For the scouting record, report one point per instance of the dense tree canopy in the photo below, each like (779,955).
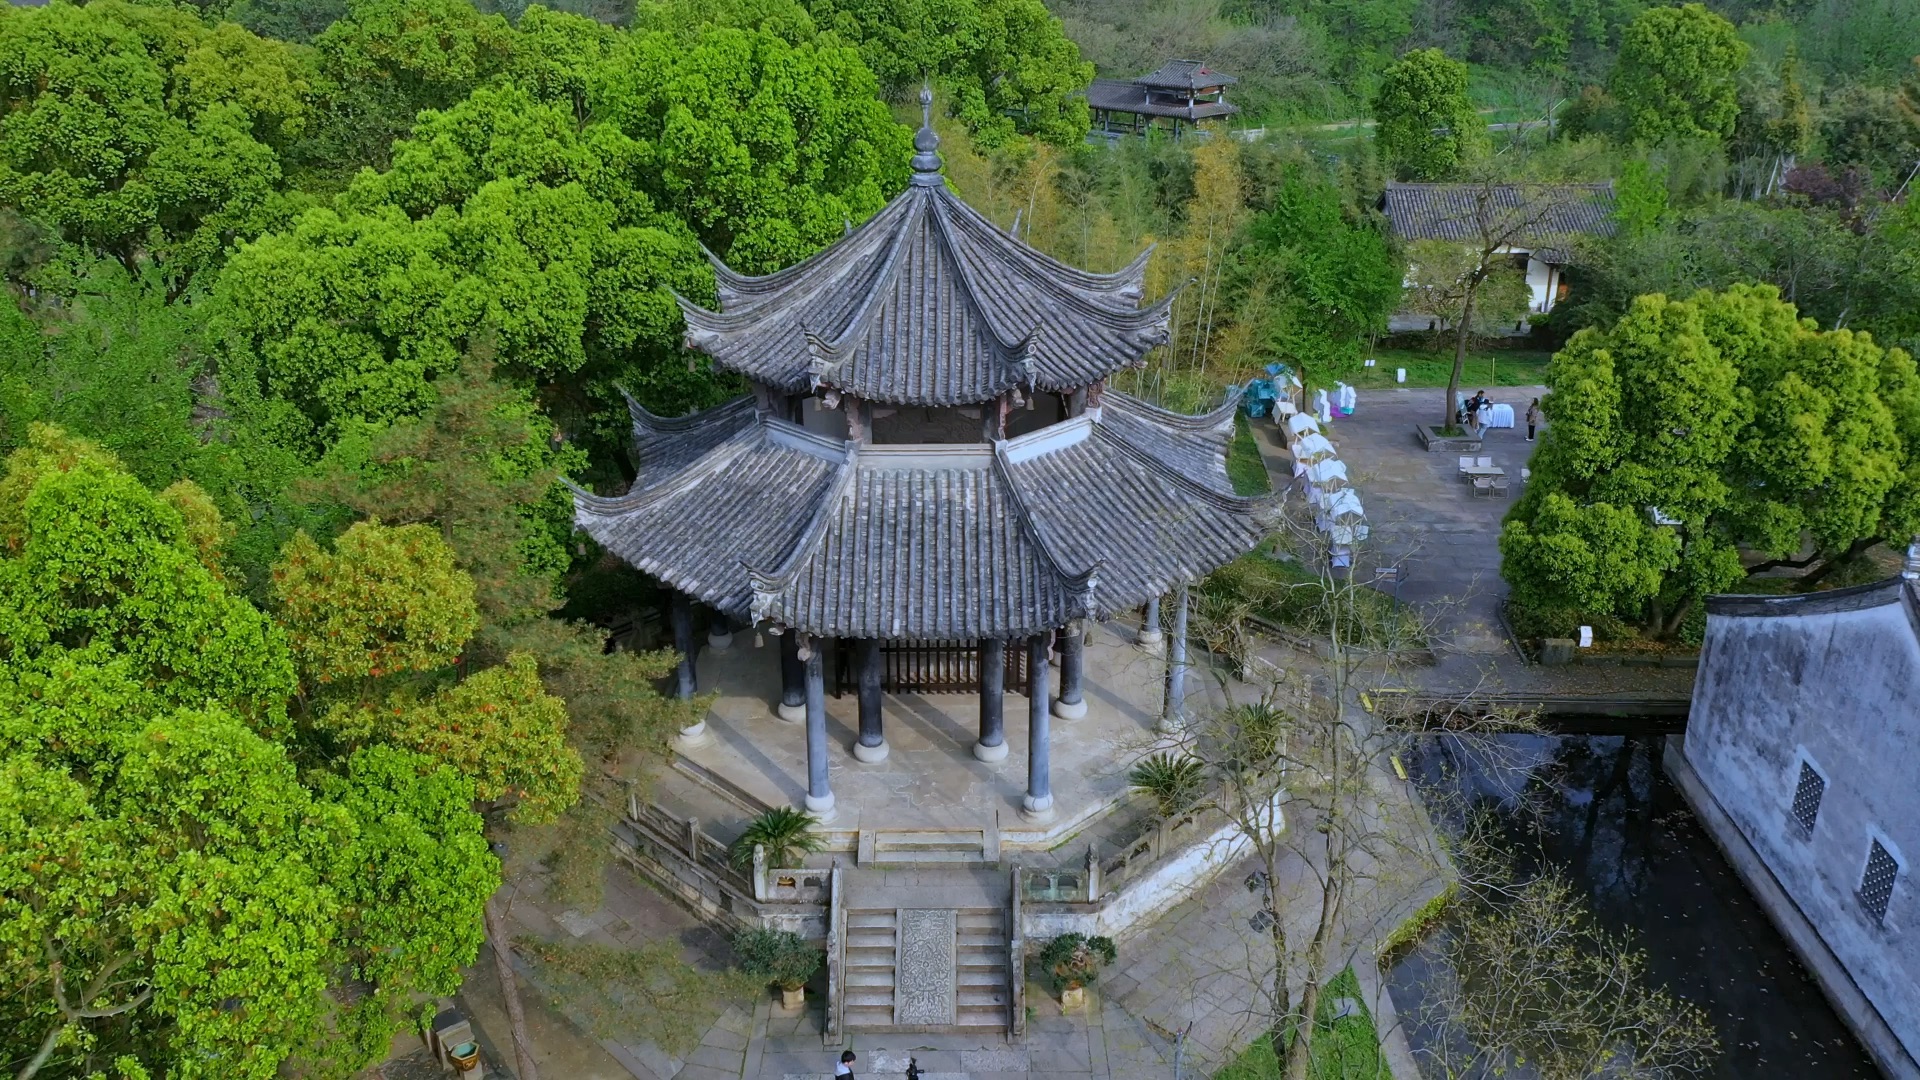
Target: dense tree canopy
(142,133)
(1426,126)
(1693,430)
(1675,75)
(173,896)
(1316,283)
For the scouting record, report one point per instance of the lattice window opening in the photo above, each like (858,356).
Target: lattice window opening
(1876,884)
(1807,794)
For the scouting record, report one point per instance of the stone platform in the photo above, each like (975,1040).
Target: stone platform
(930,779)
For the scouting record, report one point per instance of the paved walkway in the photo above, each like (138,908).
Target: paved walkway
(1447,541)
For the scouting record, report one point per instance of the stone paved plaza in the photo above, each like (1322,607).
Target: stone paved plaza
(930,778)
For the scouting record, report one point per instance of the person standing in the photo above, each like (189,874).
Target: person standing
(1533,418)
(845,1068)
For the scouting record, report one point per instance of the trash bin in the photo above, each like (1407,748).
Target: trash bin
(464,1055)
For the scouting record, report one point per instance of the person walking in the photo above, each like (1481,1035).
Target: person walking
(845,1068)
(1533,418)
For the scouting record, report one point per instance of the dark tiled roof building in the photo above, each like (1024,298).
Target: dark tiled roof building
(1181,91)
(878,485)
(1544,217)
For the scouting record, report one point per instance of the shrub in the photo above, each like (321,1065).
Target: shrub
(787,834)
(1173,780)
(1074,960)
(781,957)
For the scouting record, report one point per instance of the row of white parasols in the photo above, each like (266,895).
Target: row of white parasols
(1336,505)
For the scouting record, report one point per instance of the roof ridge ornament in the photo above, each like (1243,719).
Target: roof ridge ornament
(926,144)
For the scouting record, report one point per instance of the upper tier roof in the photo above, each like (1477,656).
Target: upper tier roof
(1185,75)
(763,520)
(929,304)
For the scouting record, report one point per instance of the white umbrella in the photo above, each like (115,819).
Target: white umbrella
(1327,471)
(1345,503)
(1302,424)
(1312,448)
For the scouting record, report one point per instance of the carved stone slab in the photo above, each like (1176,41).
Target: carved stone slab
(924,967)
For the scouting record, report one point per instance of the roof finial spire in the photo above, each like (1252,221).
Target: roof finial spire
(926,159)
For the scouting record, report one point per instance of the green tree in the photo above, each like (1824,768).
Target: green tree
(1675,74)
(97,565)
(499,728)
(1315,282)
(173,899)
(139,133)
(411,883)
(1002,65)
(383,601)
(1690,431)
(1426,127)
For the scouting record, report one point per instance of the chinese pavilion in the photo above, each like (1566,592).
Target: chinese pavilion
(929,455)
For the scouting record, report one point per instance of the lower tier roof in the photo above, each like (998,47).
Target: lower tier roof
(761,519)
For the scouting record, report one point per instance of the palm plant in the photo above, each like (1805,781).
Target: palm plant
(787,834)
(1174,781)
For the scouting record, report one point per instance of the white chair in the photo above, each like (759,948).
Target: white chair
(1500,485)
(1526,475)
(1465,464)
(1482,485)
(1485,463)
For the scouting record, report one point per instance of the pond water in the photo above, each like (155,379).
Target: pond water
(1607,815)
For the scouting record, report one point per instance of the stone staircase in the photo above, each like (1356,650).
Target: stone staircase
(926,969)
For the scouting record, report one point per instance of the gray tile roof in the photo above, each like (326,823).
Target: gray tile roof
(1185,75)
(928,303)
(1084,518)
(1544,216)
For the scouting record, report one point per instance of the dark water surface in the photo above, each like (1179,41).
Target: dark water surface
(1621,831)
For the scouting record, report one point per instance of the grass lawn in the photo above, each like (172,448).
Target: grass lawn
(1493,367)
(1344,1049)
(1244,465)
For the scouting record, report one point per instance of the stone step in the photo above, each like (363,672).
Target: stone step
(868,937)
(870,978)
(982,977)
(870,920)
(966,941)
(869,998)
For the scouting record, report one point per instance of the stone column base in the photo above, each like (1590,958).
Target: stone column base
(694,736)
(719,641)
(870,754)
(792,714)
(996,752)
(1151,640)
(1069,710)
(821,807)
(1037,810)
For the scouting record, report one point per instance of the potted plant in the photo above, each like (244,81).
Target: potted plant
(1174,781)
(782,957)
(787,834)
(1074,960)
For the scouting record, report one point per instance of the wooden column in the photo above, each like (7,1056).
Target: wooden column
(819,791)
(1038,804)
(793,680)
(872,744)
(1072,703)
(993,691)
